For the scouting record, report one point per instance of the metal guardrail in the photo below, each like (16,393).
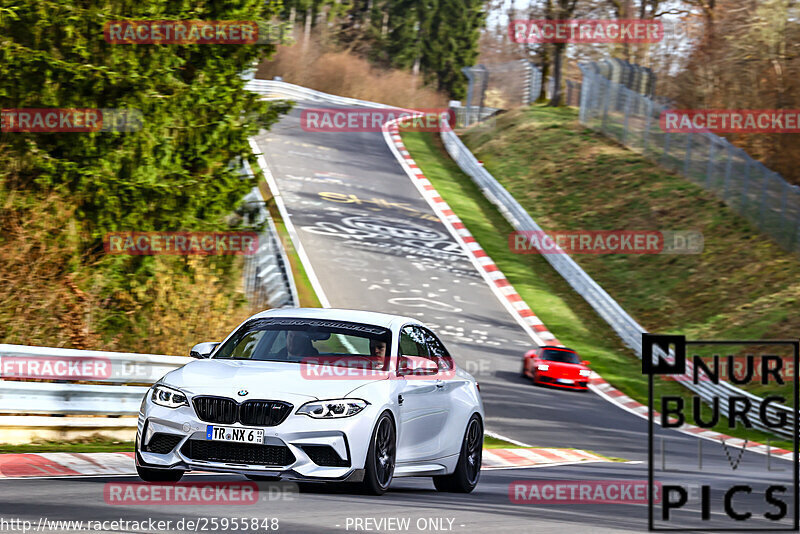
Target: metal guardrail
(283,90)
(53,398)
(268,279)
(23,361)
(67,366)
(620,321)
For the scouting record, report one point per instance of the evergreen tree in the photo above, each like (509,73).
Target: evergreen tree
(173,173)
(437,38)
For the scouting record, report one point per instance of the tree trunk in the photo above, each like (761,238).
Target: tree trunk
(558,54)
(307,31)
(385,26)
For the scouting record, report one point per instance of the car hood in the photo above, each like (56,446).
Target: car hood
(261,380)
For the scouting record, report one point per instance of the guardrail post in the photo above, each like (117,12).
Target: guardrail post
(745,184)
(687,159)
(784,199)
(628,95)
(646,134)
(728,165)
(605,106)
(765,177)
(470,89)
(710,164)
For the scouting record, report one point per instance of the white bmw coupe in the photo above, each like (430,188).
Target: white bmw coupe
(317,395)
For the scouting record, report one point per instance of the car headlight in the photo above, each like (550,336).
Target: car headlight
(332,409)
(585,372)
(168,397)
(543,367)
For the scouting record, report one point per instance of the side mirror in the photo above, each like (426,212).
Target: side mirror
(585,362)
(203,350)
(416,365)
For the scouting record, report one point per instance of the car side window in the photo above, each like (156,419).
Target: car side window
(412,342)
(246,348)
(437,351)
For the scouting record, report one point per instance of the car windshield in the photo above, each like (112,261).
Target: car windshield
(561,356)
(315,341)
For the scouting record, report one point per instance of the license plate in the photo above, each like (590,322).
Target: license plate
(237,434)
(565,381)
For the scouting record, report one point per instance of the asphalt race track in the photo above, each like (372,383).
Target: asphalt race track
(374,244)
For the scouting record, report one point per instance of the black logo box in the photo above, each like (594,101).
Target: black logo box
(678,367)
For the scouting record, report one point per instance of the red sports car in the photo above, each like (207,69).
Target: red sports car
(556,366)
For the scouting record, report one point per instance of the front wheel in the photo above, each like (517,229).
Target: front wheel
(468,469)
(379,468)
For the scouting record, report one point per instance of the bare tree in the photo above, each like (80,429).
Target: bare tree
(562,10)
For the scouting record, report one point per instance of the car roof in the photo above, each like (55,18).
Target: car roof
(337,314)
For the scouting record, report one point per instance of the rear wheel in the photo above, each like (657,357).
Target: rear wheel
(468,469)
(379,469)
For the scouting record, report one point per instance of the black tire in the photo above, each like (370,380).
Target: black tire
(468,469)
(522,373)
(159,475)
(379,468)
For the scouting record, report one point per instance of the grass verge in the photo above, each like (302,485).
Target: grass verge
(305,291)
(88,444)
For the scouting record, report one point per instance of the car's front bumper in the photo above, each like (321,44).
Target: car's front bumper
(346,440)
(578,382)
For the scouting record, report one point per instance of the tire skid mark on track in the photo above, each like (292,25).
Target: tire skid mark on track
(514,303)
(496,280)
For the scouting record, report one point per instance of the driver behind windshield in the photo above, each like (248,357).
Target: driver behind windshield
(298,344)
(377,348)
(377,352)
